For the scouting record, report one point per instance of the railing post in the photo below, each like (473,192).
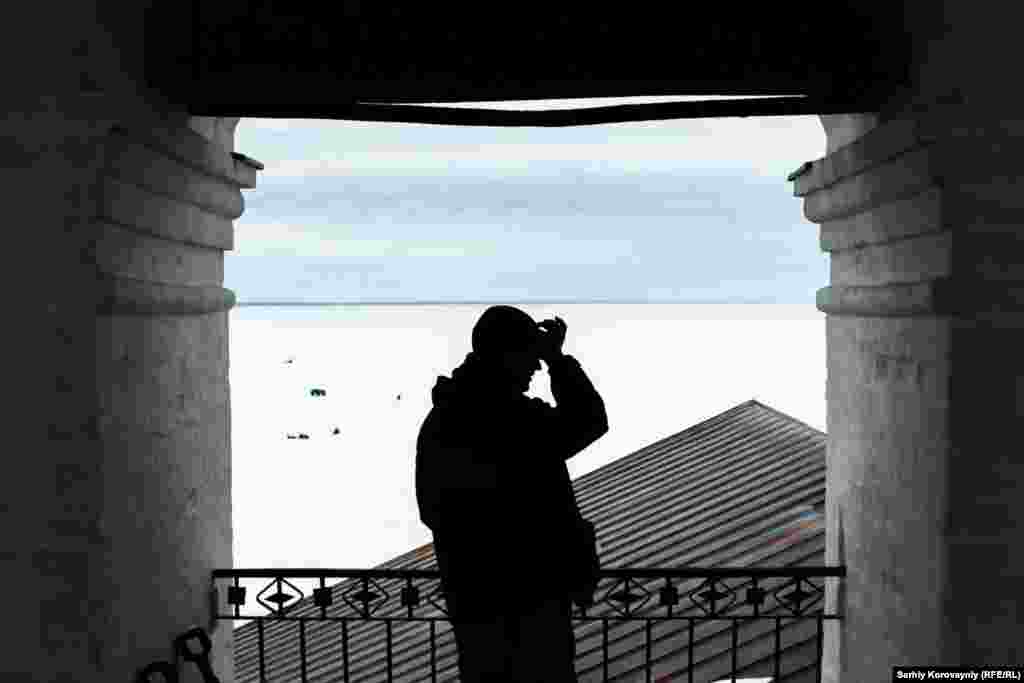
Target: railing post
(690,652)
(344,649)
(263,665)
(821,639)
(604,647)
(647,649)
(778,646)
(387,636)
(735,646)
(302,649)
(433,651)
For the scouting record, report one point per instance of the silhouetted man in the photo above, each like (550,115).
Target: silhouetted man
(493,487)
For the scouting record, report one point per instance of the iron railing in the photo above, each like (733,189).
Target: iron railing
(687,605)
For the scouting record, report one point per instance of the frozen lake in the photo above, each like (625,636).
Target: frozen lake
(347,500)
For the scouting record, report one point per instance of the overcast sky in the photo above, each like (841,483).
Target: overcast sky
(694,210)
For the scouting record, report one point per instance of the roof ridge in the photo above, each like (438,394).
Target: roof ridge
(664,440)
(787,416)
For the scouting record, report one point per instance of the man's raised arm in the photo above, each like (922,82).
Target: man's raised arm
(580,407)
(579,419)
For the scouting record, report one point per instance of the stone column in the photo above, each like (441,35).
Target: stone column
(921,213)
(117,496)
(167,196)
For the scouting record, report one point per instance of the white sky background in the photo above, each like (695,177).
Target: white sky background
(695,210)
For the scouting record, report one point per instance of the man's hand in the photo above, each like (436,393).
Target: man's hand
(552,338)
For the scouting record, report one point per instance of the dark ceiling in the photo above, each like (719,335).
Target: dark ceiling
(303,59)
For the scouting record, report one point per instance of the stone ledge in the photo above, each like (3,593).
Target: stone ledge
(187,147)
(939,297)
(125,252)
(102,114)
(915,215)
(245,170)
(948,163)
(898,179)
(914,259)
(131,206)
(877,145)
(949,123)
(128,296)
(139,165)
(990,208)
(908,299)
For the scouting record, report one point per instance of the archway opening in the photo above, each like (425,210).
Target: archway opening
(445,219)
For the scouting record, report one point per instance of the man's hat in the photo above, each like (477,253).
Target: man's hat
(505,328)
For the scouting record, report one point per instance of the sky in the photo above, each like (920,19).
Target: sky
(694,210)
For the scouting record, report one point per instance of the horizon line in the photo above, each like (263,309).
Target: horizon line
(543,302)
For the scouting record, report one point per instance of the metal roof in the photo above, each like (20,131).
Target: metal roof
(722,493)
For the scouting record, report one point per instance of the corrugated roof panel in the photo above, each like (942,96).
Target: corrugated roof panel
(745,488)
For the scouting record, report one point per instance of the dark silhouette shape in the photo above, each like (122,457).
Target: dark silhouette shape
(336,431)
(201,658)
(317,392)
(493,487)
(290,360)
(169,671)
(292,436)
(303,436)
(398,398)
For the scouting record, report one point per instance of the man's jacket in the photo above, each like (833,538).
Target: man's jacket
(493,486)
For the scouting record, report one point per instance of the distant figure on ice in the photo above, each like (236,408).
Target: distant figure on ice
(493,487)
